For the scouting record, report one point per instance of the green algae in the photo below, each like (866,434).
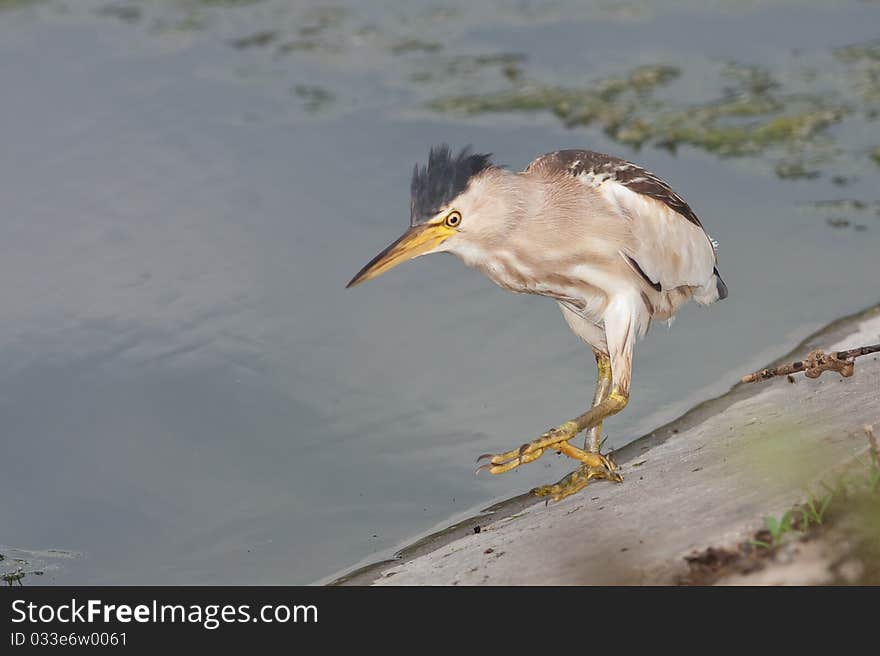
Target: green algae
(11,578)
(750,118)
(843,213)
(414,45)
(229,3)
(461,67)
(17,4)
(795,170)
(604,102)
(125,13)
(784,115)
(859,52)
(314,98)
(13,570)
(301,45)
(312,32)
(256,40)
(736,111)
(319,20)
(862,62)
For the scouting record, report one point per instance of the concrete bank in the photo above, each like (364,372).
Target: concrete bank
(705,479)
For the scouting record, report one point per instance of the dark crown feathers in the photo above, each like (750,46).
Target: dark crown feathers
(442,179)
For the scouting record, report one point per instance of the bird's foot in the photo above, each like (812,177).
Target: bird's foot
(502,462)
(555,439)
(578,480)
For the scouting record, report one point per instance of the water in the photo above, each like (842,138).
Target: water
(189,395)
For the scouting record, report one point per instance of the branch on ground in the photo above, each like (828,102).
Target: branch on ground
(816,362)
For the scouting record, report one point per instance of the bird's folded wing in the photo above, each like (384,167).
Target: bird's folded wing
(667,248)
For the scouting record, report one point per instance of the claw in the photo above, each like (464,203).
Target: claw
(484,456)
(500,463)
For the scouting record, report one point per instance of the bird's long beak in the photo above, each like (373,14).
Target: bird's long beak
(418,240)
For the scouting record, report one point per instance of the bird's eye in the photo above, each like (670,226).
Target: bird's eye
(453,219)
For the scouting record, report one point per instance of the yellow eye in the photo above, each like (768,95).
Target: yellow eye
(453,219)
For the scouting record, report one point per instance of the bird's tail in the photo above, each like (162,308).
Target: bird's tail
(714,290)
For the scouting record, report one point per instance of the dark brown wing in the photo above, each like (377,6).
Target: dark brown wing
(606,167)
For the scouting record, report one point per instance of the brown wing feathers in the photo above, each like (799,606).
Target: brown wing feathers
(606,167)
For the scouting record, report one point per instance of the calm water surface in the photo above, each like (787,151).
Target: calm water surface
(187,392)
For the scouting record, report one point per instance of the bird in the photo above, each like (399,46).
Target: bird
(607,239)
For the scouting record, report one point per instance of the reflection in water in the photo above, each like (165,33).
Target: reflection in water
(189,394)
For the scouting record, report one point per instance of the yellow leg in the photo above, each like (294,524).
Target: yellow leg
(556,438)
(593,439)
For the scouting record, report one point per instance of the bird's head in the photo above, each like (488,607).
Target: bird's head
(457,204)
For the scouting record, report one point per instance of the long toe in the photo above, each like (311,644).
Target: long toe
(497,464)
(578,480)
(553,438)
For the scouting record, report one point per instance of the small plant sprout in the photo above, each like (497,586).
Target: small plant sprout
(777,528)
(874,449)
(813,511)
(874,479)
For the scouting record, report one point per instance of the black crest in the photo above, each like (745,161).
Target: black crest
(444,178)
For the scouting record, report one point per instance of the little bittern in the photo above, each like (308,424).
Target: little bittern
(612,243)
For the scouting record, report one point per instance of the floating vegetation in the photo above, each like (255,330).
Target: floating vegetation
(850,207)
(11,578)
(319,19)
(258,39)
(16,4)
(863,62)
(312,29)
(751,117)
(17,565)
(187,19)
(314,98)
(415,45)
(301,45)
(460,67)
(846,212)
(859,52)
(782,114)
(602,103)
(844,204)
(14,569)
(229,3)
(126,13)
(795,170)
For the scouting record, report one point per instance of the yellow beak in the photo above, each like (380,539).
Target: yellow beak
(416,241)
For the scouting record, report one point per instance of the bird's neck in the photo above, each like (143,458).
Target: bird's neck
(509,200)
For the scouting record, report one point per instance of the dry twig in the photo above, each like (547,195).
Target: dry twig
(816,362)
